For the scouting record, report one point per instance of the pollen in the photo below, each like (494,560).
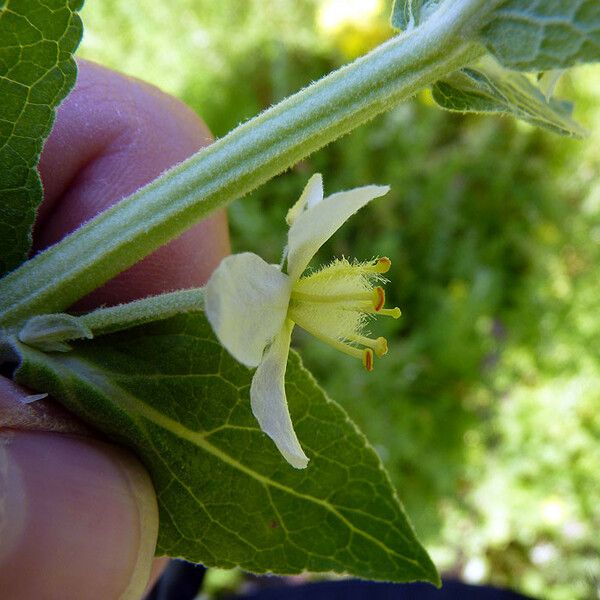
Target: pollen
(379,299)
(367,359)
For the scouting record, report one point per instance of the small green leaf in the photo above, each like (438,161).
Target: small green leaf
(539,35)
(226,496)
(489,88)
(37,41)
(51,332)
(410,13)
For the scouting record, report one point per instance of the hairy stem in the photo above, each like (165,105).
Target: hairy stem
(51,331)
(241,161)
(153,308)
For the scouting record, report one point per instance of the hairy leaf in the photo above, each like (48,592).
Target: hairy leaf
(37,41)
(226,496)
(410,13)
(488,88)
(539,35)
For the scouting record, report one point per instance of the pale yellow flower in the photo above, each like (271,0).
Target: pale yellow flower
(253,306)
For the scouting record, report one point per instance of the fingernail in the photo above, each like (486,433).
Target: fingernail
(142,492)
(78,519)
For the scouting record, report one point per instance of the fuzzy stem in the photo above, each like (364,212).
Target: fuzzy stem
(153,308)
(51,331)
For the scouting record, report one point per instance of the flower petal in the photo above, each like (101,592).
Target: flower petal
(311,195)
(317,224)
(269,404)
(246,302)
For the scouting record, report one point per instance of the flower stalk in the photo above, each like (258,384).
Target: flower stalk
(52,332)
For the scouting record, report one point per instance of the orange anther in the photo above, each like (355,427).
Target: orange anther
(384,264)
(379,300)
(368,359)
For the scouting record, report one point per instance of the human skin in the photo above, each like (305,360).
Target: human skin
(78,515)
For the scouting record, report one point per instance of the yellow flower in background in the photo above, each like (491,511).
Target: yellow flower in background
(356,26)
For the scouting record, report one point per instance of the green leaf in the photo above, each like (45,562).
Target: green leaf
(489,88)
(37,40)
(410,13)
(226,496)
(539,35)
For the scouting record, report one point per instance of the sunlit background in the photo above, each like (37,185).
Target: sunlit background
(486,410)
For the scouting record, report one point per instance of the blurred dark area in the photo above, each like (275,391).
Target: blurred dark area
(183,581)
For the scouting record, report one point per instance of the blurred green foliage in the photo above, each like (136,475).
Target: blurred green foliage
(485,411)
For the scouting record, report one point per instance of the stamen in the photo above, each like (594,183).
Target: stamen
(379,345)
(357,294)
(381,265)
(368,309)
(334,343)
(335,298)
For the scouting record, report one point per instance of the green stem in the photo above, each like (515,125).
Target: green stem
(49,332)
(241,161)
(153,308)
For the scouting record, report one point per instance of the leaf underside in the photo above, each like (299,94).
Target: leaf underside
(539,35)
(226,496)
(526,35)
(489,88)
(37,41)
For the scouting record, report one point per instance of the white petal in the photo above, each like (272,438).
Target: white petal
(269,404)
(311,195)
(246,302)
(316,225)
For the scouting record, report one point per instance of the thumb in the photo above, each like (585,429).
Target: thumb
(78,517)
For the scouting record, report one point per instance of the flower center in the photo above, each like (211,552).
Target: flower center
(335,303)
